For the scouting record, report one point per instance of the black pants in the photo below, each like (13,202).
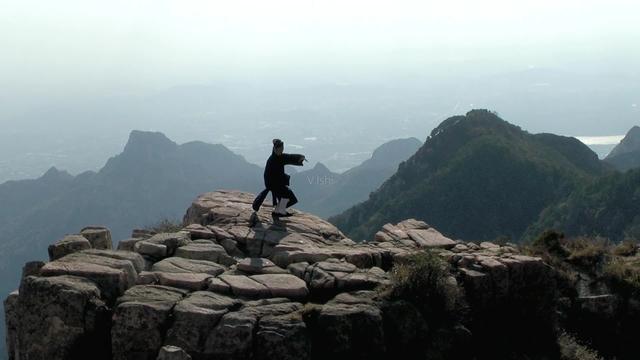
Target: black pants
(284,192)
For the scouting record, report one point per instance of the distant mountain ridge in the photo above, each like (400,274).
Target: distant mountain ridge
(326,193)
(477,177)
(626,155)
(152,179)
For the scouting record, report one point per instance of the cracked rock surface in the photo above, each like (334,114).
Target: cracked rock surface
(238,284)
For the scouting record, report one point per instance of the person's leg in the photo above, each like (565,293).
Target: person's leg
(292,198)
(281,195)
(282,206)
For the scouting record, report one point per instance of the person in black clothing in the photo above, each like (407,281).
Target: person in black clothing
(277,181)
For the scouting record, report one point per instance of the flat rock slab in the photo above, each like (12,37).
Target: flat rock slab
(430,238)
(69,244)
(112,282)
(259,266)
(218,286)
(336,265)
(227,208)
(188,281)
(414,233)
(153,250)
(162,297)
(198,231)
(205,251)
(125,265)
(283,285)
(171,240)
(136,259)
(184,265)
(245,287)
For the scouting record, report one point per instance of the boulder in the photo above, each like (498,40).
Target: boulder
(327,278)
(233,337)
(152,250)
(32,268)
(98,236)
(69,244)
(172,241)
(195,317)
(414,233)
(140,320)
(60,317)
(283,337)
(349,331)
(198,231)
(129,244)
(430,238)
(231,247)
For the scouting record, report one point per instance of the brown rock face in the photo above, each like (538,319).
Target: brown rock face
(139,321)
(60,317)
(98,236)
(69,244)
(236,284)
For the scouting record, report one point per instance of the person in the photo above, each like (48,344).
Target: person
(277,181)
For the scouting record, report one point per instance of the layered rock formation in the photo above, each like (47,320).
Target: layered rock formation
(238,284)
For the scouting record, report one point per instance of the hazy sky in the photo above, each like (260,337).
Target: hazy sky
(69,47)
(76,76)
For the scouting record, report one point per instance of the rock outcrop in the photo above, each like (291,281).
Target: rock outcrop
(239,284)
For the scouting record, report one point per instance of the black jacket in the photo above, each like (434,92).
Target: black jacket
(274,175)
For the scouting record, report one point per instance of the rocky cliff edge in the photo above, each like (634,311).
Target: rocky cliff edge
(237,284)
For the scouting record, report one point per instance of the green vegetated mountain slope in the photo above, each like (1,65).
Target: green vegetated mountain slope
(326,193)
(608,207)
(477,177)
(626,155)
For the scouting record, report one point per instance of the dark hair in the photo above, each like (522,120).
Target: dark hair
(277,143)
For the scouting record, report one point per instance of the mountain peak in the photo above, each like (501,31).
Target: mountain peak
(54,174)
(148,141)
(630,143)
(321,167)
(477,118)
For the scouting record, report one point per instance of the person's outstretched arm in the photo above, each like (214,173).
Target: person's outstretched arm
(293,159)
